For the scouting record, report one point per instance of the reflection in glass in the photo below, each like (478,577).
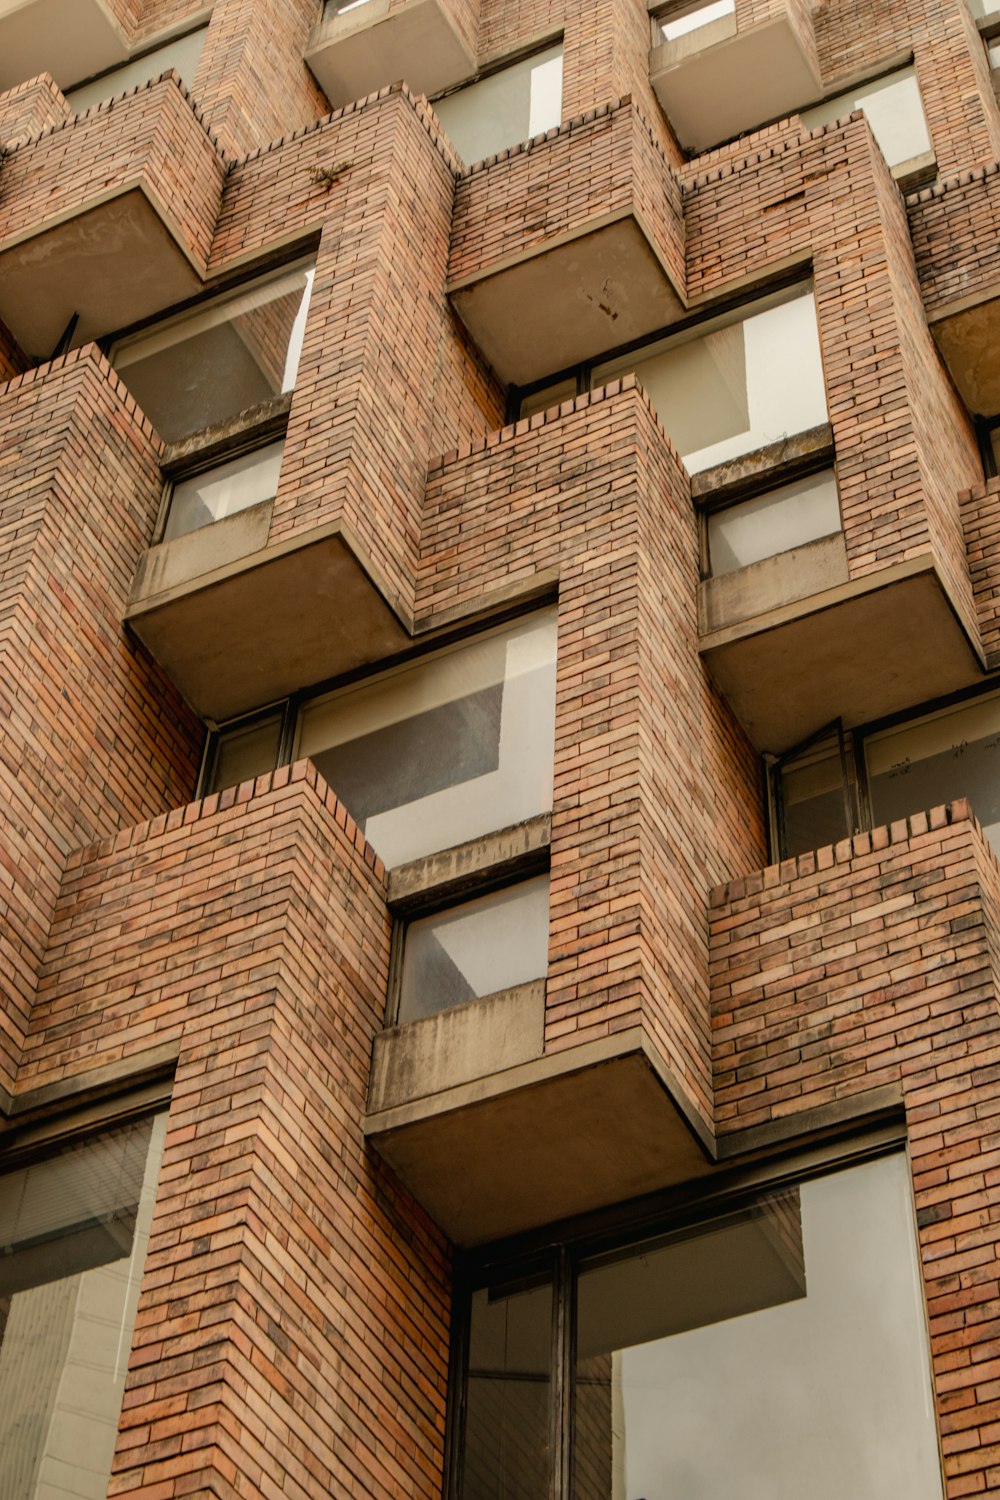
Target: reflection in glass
(815,806)
(204,366)
(954,753)
(504,108)
(548,396)
(734,384)
(894,111)
(181,54)
(73,1235)
(506,1450)
(772,1354)
(245,750)
(224,490)
(702,15)
(446,749)
(475,948)
(776,522)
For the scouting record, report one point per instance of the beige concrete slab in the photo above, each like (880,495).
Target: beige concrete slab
(362,50)
(113,264)
(274,621)
(860,651)
(567,1133)
(797,574)
(567,300)
(71,39)
(969,342)
(713,86)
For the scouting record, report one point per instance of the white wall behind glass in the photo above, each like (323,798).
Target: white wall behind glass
(183,54)
(732,385)
(772,523)
(223,491)
(507,107)
(894,111)
(671,29)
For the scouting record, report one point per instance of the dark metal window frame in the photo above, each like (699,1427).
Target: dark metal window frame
(853,767)
(558,1252)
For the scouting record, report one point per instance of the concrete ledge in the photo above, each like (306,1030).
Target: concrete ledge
(356,53)
(447,875)
(545,1139)
(772,583)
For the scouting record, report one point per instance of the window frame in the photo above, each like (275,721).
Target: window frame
(559,1250)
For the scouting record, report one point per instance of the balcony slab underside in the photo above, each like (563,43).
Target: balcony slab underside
(864,649)
(968,335)
(568,299)
(244,631)
(71,39)
(113,264)
(494,1136)
(358,52)
(715,83)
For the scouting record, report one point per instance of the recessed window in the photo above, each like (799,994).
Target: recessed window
(505,108)
(223,490)
(774,522)
(894,110)
(245,750)
(736,383)
(182,54)
(775,1349)
(907,767)
(674,26)
(74,1226)
(475,948)
(446,748)
(206,365)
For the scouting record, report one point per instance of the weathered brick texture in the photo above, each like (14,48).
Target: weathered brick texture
(92,737)
(31,108)
(874,963)
(904,443)
(292,1329)
(955,228)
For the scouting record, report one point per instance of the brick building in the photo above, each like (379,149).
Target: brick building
(500,749)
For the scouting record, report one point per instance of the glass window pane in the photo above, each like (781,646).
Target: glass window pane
(894,110)
(814,808)
(475,948)
(776,1352)
(732,385)
(506,1449)
(505,108)
(181,54)
(230,487)
(73,1235)
(248,750)
(700,16)
(549,395)
(934,759)
(448,748)
(772,523)
(207,365)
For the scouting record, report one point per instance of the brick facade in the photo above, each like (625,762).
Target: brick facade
(293,1333)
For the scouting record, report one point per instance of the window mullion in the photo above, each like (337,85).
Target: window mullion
(563,1340)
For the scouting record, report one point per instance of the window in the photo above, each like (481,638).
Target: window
(73,1232)
(894,111)
(836,782)
(774,1347)
(679,24)
(206,365)
(215,493)
(475,948)
(738,382)
(181,54)
(504,108)
(773,522)
(446,748)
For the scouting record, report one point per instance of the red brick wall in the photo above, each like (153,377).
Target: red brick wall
(292,1329)
(869,964)
(981,519)
(92,738)
(30,108)
(596,165)
(955,228)
(598,496)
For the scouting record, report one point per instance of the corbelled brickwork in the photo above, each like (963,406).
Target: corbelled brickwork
(292,1329)
(869,964)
